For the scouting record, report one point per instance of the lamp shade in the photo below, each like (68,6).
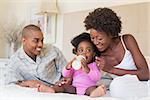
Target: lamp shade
(48,6)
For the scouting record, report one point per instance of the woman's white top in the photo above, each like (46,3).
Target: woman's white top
(127,61)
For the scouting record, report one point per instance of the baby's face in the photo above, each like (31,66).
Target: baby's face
(85,48)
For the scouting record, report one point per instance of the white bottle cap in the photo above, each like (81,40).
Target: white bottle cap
(80,57)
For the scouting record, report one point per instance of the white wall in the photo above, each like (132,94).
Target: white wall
(73,25)
(68,6)
(70,19)
(4,9)
(16,12)
(13,13)
(136,21)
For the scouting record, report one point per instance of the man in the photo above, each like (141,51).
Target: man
(34,63)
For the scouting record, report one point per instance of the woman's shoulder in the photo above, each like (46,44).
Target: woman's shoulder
(129,40)
(127,37)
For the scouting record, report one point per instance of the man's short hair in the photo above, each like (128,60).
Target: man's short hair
(30,27)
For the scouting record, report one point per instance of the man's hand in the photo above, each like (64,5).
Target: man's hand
(30,83)
(65,80)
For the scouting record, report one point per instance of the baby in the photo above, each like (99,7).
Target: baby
(84,80)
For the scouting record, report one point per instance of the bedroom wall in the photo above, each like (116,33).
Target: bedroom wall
(14,13)
(135,17)
(2,45)
(135,20)
(68,6)
(73,25)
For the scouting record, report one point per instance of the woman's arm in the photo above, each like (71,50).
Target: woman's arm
(142,68)
(140,62)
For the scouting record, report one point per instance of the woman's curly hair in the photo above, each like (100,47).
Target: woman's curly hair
(83,37)
(104,20)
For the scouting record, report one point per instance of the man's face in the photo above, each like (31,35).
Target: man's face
(33,43)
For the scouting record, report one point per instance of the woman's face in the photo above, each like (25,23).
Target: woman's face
(85,48)
(100,39)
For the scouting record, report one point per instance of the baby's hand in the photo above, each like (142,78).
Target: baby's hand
(69,65)
(84,66)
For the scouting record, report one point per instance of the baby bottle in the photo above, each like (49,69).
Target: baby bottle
(76,64)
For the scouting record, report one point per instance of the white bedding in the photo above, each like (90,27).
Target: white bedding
(14,92)
(128,87)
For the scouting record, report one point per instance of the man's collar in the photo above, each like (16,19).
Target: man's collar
(23,55)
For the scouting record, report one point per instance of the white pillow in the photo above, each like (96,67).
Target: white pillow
(127,87)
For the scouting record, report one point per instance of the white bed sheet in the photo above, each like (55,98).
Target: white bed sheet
(14,92)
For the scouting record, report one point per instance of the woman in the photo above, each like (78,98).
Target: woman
(120,54)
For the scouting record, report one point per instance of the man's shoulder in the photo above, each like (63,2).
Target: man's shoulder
(49,48)
(15,57)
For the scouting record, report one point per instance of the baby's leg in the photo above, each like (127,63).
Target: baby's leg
(89,90)
(58,89)
(99,91)
(65,88)
(69,89)
(45,88)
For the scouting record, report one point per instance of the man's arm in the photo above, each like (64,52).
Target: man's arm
(11,74)
(60,61)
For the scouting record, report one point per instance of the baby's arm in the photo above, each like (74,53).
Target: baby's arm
(84,66)
(94,73)
(68,70)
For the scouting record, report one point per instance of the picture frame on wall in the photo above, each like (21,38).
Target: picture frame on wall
(47,23)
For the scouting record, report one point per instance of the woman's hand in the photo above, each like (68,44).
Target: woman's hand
(100,61)
(29,83)
(102,64)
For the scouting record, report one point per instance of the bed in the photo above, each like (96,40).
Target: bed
(14,92)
